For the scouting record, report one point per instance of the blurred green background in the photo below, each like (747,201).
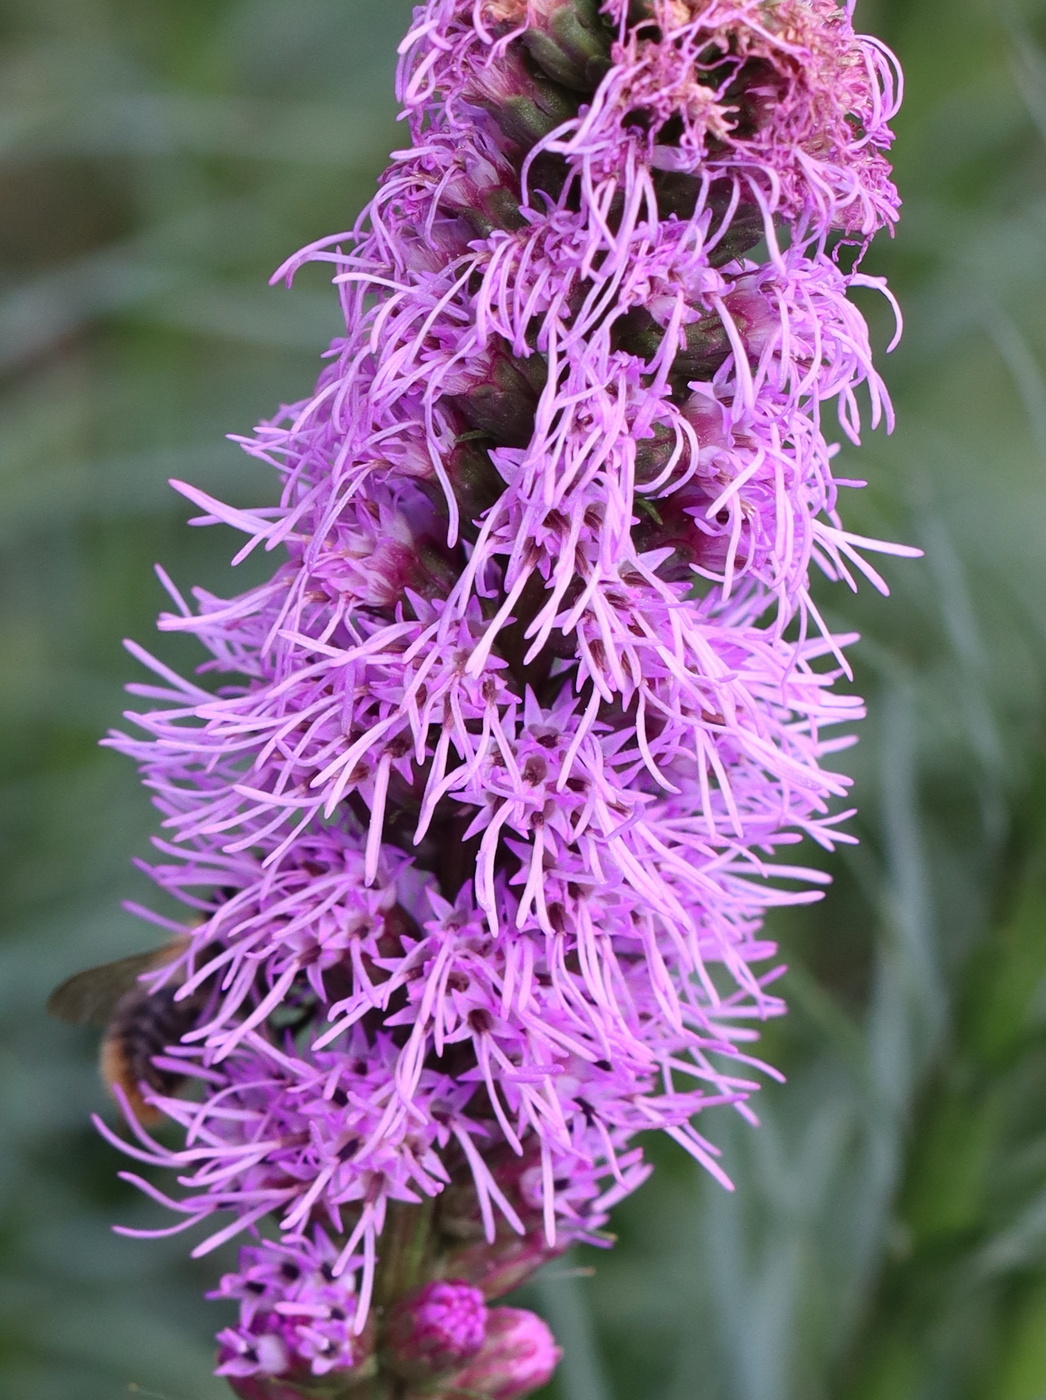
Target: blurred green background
(887,1241)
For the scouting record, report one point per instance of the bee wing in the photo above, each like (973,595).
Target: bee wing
(88,998)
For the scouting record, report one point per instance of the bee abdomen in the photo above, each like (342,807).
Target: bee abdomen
(143,1025)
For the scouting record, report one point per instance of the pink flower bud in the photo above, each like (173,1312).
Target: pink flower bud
(519,1355)
(435,1328)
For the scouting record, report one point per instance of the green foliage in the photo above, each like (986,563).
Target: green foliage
(887,1240)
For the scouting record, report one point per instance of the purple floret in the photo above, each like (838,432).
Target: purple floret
(295,1316)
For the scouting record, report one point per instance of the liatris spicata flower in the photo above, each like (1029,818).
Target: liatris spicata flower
(482,817)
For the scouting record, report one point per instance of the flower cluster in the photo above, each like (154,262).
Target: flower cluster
(295,1316)
(483,820)
(295,1327)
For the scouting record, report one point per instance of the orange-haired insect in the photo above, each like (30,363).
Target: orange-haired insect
(139,1023)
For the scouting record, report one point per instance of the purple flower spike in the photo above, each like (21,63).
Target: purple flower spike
(479,803)
(518,1356)
(435,1329)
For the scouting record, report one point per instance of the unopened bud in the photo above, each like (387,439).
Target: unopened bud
(678,193)
(707,347)
(484,190)
(571,43)
(499,394)
(525,107)
(745,229)
(518,1356)
(680,522)
(654,453)
(474,478)
(435,1329)
(706,342)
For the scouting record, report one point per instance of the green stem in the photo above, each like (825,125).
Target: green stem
(408,1236)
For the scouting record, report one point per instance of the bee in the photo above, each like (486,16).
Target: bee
(139,1023)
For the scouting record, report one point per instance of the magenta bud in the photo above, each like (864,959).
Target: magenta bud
(435,1329)
(518,1356)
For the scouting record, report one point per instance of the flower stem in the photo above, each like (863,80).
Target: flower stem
(409,1235)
